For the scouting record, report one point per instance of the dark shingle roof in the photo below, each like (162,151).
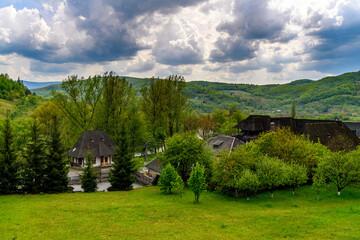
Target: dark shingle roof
(221,142)
(97,142)
(255,123)
(154,165)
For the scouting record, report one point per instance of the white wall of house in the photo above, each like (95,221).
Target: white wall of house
(97,162)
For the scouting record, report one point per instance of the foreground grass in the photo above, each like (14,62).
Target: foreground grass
(148,214)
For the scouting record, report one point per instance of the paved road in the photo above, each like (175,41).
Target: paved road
(102,186)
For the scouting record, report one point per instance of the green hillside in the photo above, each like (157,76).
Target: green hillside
(16,97)
(336,95)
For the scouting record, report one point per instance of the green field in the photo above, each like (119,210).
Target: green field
(147,214)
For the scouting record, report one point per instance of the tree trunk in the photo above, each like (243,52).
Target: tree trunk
(236,193)
(317,195)
(338,193)
(293,191)
(272,195)
(247,198)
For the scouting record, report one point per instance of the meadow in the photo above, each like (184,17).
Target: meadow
(146,213)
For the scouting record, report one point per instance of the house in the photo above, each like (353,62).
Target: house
(99,143)
(154,167)
(325,131)
(221,142)
(354,127)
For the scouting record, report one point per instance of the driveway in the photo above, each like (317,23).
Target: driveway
(102,186)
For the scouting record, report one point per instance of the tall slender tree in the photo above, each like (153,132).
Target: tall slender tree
(293,110)
(88,178)
(121,173)
(56,167)
(34,169)
(9,167)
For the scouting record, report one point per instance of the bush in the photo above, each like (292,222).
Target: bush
(170,181)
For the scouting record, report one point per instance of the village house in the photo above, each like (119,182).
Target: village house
(99,143)
(221,142)
(325,131)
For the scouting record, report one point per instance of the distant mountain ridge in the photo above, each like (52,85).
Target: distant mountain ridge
(33,85)
(337,95)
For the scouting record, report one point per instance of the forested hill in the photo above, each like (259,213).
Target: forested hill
(15,96)
(336,95)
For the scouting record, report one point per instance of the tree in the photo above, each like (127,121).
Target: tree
(79,100)
(270,173)
(183,151)
(35,166)
(343,169)
(9,167)
(294,175)
(228,167)
(56,169)
(88,178)
(293,110)
(170,181)
(248,183)
(318,184)
(164,105)
(196,181)
(121,173)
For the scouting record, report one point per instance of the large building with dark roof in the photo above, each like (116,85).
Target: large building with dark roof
(99,143)
(325,131)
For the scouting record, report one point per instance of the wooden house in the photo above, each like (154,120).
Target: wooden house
(99,143)
(325,131)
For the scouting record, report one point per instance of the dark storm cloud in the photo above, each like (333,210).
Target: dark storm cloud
(254,22)
(107,28)
(339,46)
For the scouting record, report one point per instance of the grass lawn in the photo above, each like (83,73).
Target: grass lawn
(145,213)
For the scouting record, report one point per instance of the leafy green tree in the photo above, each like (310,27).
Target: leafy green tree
(295,175)
(170,181)
(79,100)
(318,184)
(291,148)
(88,177)
(248,183)
(164,105)
(183,151)
(293,110)
(35,166)
(343,169)
(56,166)
(196,181)
(123,168)
(270,173)
(9,167)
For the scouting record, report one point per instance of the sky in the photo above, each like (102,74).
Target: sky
(234,41)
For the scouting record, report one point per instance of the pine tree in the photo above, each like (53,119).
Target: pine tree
(121,173)
(293,110)
(34,172)
(88,178)
(56,169)
(9,168)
